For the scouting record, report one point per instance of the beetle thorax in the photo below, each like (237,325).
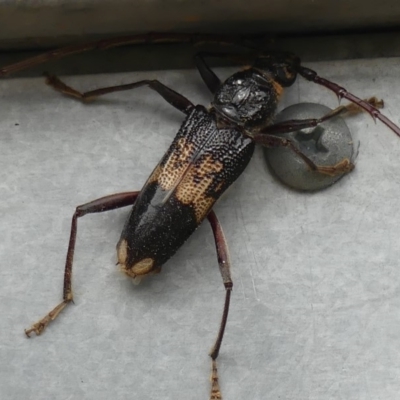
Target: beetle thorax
(247,98)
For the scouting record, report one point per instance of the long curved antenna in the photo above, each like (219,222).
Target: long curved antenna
(341,93)
(196,39)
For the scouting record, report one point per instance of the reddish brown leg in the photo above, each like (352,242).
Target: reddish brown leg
(208,75)
(341,92)
(175,99)
(342,167)
(266,136)
(106,203)
(298,124)
(224,266)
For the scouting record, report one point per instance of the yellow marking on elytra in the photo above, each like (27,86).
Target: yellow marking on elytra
(188,181)
(219,186)
(176,165)
(193,187)
(140,268)
(143,267)
(122,252)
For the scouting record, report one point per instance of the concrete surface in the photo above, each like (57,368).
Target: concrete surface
(315,310)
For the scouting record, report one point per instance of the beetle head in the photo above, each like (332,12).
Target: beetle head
(282,66)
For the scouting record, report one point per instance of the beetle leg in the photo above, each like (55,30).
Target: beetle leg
(353,108)
(208,75)
(225,269)
(215,389)
(224,266)
(175,99)
(298,124)
(342,167)
(341,92)
(106,203)
(266,136)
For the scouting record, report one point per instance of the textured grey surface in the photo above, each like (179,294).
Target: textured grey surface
(316,304)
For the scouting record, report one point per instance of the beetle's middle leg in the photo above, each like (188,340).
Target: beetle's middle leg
(267,138)
(224,266)
(342,167)
(106,203)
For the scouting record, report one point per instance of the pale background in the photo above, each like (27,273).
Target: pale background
(315,311)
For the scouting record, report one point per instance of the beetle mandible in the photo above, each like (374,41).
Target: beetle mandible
(211,149)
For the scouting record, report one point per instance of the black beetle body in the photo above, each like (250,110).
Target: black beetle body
(201,163)
(208,154)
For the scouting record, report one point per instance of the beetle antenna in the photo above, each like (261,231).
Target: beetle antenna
(341,93)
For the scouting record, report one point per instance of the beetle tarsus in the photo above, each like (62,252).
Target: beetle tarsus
(41,325)
(342,167)
(215,389)
(103,204)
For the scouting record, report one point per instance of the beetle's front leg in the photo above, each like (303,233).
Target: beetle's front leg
(266,137)
(298,124)
(107,203)
(341,92)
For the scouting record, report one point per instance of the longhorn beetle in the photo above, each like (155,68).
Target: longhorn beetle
(210,151)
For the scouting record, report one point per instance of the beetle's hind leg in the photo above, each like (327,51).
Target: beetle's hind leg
(107,203)
(267,136)
(224,266)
